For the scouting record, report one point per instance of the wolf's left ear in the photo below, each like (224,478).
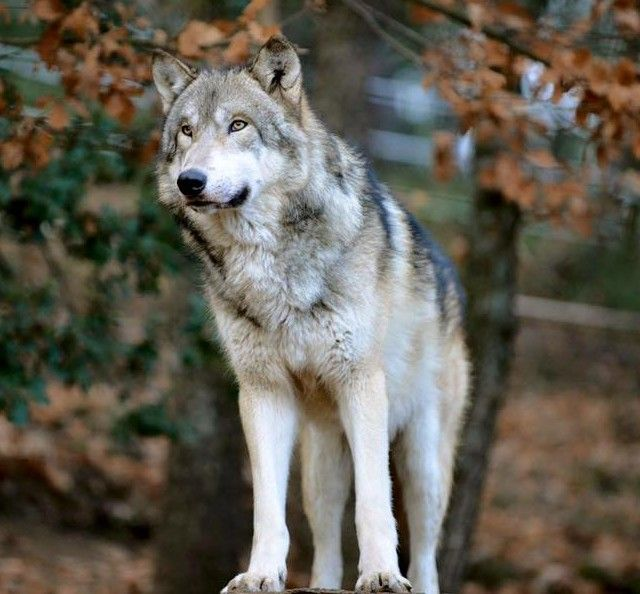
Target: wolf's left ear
(170,76)
(277,69)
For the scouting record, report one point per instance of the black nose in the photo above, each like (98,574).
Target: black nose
(191,182)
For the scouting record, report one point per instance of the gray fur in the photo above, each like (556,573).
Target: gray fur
(325,290)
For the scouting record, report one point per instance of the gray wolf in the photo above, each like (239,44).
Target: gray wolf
(341,318)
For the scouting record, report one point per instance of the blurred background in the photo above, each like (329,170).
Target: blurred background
(512,129)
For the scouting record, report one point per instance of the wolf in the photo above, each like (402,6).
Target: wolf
(341,317)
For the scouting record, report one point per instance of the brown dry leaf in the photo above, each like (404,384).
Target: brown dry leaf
(509,176)
(477,14)
(261,33)
(49,42)
(11,154)
(89,76)
(582,224)
(142,22)
(429,79)
(514,16)
(557,194)
(631,180)
(81,22)
(38,148)
(625,72)
(58,117)
(491,80)
(48,10)
(635,146)
(239,49)
(496,54)
(628,19)
(253,8)
(422,15)
(542,158)
(195,36)
(160,37)
(226,26)
(120,107)
(527,194)
(150,148)
(443,161)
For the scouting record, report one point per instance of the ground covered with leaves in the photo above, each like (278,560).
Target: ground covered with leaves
(560,514)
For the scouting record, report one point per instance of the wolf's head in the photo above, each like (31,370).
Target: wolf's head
(230,136)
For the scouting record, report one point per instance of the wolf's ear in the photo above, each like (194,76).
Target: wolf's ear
(277,69)
(170,76)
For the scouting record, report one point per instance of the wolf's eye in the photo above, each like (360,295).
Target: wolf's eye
(186,130)
(237,125)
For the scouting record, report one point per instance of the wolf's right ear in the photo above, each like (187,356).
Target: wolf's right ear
(170,76)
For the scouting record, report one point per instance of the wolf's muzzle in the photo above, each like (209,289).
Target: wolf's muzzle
(191,182)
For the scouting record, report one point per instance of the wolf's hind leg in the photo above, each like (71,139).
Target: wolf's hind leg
(425,459)
(421,478)
(326,480)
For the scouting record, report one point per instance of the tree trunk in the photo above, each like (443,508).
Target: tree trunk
(491,283)
(344,59)
(206,525)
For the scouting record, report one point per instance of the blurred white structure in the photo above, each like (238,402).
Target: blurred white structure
(412,103)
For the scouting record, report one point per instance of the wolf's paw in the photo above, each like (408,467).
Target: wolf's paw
(382,581)
(256,582)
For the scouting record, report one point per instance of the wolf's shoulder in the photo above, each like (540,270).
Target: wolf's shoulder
(428,258)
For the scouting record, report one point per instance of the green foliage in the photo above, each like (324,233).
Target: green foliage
(67,326)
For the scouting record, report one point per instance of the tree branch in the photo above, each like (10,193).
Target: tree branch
(368,17)
(488,30)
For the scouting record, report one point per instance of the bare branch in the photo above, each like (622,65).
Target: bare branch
(488,30)
(369,18)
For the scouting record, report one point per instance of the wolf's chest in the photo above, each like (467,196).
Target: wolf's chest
(273,287)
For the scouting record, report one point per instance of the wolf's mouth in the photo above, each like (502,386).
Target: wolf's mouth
(236,201)
(197,203)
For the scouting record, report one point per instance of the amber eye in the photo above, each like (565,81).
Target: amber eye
(237,125)
(186,130)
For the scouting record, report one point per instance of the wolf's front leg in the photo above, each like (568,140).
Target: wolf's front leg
(364,414)
(269,421)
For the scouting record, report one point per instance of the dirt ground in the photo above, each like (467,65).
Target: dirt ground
(561,512)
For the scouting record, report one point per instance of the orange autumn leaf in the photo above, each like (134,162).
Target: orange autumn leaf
(635,146)
(514,16)
(261,33)
(542,158)
(120,107)
(420,15)
(196,36)
(556,195)
(48,10)
(38,148)
(443,160)
(58,117)
(628,20)
(81,22)
(253,8)
(477,14)
(631,181)
(48,44)
(11,154)
(509,176)
(150,149)
(239,49)
(226,26)
(527,194)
